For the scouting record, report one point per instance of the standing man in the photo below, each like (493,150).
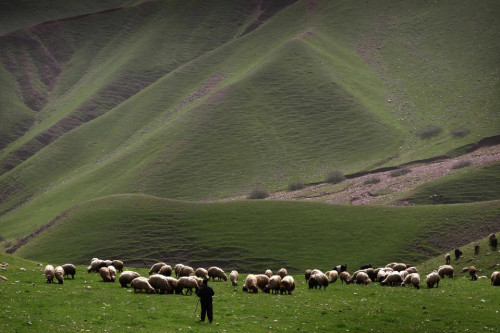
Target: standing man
(205,294)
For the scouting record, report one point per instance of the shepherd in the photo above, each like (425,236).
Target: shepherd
(205,294)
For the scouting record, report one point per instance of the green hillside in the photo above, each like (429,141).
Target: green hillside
(194,100)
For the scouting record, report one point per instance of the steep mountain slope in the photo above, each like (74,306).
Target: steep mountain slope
(205,100)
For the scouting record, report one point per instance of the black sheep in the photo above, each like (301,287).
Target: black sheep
(458,253)
(365,266)
(340,268)
(494,244)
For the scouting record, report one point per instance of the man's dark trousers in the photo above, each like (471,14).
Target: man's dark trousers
(207,308)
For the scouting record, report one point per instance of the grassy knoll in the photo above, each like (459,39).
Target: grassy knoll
(86,303)
(466,186)
(251,235)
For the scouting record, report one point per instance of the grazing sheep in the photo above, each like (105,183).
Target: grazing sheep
(447,258)
(59,274)
(307,274)
(262,281)
(476,249)
(269,272)
(287,285)
(282,272)
(383,273)
(393,279)
(445,270)
(49,272)
(186,271)
(411,270)
(141,283)
(96,265)
(413,279)
(403,274)
(495,278)
(251,284)
(233,276)
(187,282)
(345,277)
(433,279)
(201,273)
(165,270)
(458,253)
(216,272)
(118,264)
(274,284)
(172,282)
(112,272)
(363,278)
(107,262)
(3,278)
(156,268)
(340,268)
(318,279)
(127,277)
(177,269)
(69,269)
(160,283)
(333,276)
(105,274)
(473,273)
(399,267)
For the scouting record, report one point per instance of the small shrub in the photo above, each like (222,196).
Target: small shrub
(371,181)
(258,193)
(460,132)
(461,164)
(429,131)
(298,185)
(334,177)
(400,172)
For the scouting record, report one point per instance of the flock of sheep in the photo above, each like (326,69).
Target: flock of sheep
(186,278)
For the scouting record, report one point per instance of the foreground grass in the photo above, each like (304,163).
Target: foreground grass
(87,304)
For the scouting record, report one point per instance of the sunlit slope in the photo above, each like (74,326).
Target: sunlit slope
(251,235)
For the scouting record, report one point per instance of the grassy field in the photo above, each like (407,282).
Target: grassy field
(88,304)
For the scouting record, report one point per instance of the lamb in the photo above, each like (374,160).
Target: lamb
(345,277)
(318,279)
(274,284)
(186,271)
(177,269)
(308,274)
(433,279)
(473,273)
(156,268)
(340,268)
(160,283)
(233,276)
(392,279)
(127,277)
(269,272)
(118,264)
(447,258)
(458,253)
(413,279)
(287,285)
(49,272)
(201,272)
(59,274)
(187,282)
(165,270)
(445,270)
(262,281)
(69,269)
(112,273)
(216,272)
(141,283)
(495,278)
(333,276)
(282,272)
(251,284)
(105,274)
(362,278)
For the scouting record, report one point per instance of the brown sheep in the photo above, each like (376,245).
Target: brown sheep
(345,277)
(473,273)
(495,278)
(282,272)
(433,279)
(118,264)
(287,285)
(105,274)
(165,270)
(262,281)
(274,284)
(251,284)
(447,258)
(156,268)
(127,277)
(308,274)
(216,272)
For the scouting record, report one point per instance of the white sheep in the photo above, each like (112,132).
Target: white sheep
(112,272)
(345,277)
(287,285)
(411,270)
(262,281)
(201,272)
(69,269)
(282,272)
(318,279)
(59,274)
(95,265)
(107,262)
(118,264)
(165,270)
(251,284)
(105,274)
(126,277)
(177,269)
(399,267)
(172,282)
(3,278)
(392,279)
(186,271)
(233,276)
(274,284)
(160,283)
(216,272)
(333,276)
(49,273)
(433,279)
(269,272)
(445,270)
(141,283)
(187,282)
(413,279)
(363,278)
(156,268)
(495,278)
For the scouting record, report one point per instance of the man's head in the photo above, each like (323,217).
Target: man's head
(205,281)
